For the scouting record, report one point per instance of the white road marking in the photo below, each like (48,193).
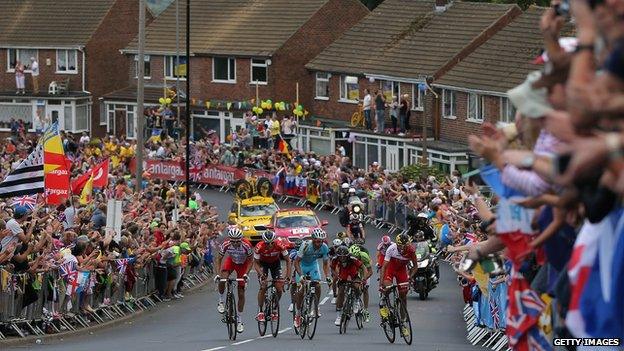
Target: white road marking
(242,342)
(264,337)
(324,300)
(215,348)
(284,330)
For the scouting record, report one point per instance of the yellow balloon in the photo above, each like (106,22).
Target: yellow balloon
(161,100)
(269,106)
(168,100)
(260,111)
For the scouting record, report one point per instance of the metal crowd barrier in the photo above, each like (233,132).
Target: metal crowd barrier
(494,339)
(37,304)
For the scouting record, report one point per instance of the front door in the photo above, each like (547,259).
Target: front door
(392,158)
(56,113)
(120,123)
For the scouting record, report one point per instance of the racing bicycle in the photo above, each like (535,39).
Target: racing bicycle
(229,316)
(271,309)
(352,307)
(395,305)
(309,309)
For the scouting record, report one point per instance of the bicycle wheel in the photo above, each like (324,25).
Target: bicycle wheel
(231,316)
(346,313)
(275,315)
(304,313)
(404,323)
(356,119)
(312,320)
(388,325)
(359,316)
(294,314)
(262,326)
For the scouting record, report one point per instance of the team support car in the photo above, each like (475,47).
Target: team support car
(295,224)
(253,215)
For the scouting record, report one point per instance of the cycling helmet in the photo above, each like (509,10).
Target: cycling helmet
(235,233)
(342,251)
(354,250)
(351,190)
(359,241)
(341,235)
(345,186)
(386,240)
(347,241)
(337,242)
(422,215)
(402,239)
(319,233)
(268,236)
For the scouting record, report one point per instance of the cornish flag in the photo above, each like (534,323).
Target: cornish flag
(27,178)
(27,201)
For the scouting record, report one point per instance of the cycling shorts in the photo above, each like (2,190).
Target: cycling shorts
(274,267)
(310,269)
(240,269)
(398,273)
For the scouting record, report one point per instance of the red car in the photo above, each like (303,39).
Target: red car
(295,223)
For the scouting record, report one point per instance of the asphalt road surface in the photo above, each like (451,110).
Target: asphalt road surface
(192,324)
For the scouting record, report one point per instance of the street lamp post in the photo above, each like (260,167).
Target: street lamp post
(188,102)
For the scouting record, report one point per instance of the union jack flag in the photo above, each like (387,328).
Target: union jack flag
(70,274)
(470,237)
(524,310)
(122,264)
(28,201)
(494,311)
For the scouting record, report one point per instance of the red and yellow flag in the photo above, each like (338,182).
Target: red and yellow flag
(55,168)
(87,191)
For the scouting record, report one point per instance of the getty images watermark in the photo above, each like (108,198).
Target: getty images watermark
(586,342)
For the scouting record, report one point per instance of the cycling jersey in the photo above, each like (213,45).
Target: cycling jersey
(397,264)
(381,252)
(308,254)
(364,258)
(238,255)
(349,270)
(269,254)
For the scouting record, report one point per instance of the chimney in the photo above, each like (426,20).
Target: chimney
(441,5)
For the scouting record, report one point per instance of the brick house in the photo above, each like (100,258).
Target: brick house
(420,41)
(76,44)
(237,46)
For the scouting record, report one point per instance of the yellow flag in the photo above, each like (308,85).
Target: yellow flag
(482,279)
(87,191)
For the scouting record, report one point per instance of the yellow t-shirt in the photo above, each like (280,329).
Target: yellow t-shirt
(275,128)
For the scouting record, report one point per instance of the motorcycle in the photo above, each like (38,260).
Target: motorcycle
(425,279)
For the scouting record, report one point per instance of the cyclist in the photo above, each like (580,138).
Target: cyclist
(346,268)
(238,254)
(355,229)
(361,255)
(332,256)
(398,256)
(381,250)
(292,254)
(267,258)
(306,263)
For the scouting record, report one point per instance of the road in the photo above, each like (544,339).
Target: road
(192,324)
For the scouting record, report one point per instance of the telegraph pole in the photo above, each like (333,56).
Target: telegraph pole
(140,91)
(188,102)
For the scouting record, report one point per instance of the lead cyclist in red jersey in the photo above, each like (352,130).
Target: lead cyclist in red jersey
(267,258)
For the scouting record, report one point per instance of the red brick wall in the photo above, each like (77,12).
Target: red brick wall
(106,67)
(457,130)
(323,28)
(47,73)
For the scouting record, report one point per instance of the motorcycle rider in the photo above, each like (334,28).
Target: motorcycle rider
(420,237)
(420,222)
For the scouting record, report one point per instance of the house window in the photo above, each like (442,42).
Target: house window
(130,122)
(507,111)
(259,71)
(22,55)
(110,118)
(322,86)
(476,107)
(66,61)
(349,88)
(449,105)
(175,67)
(417,98)
(224,69)
(147,69)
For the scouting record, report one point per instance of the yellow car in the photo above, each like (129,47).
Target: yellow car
(253,215)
